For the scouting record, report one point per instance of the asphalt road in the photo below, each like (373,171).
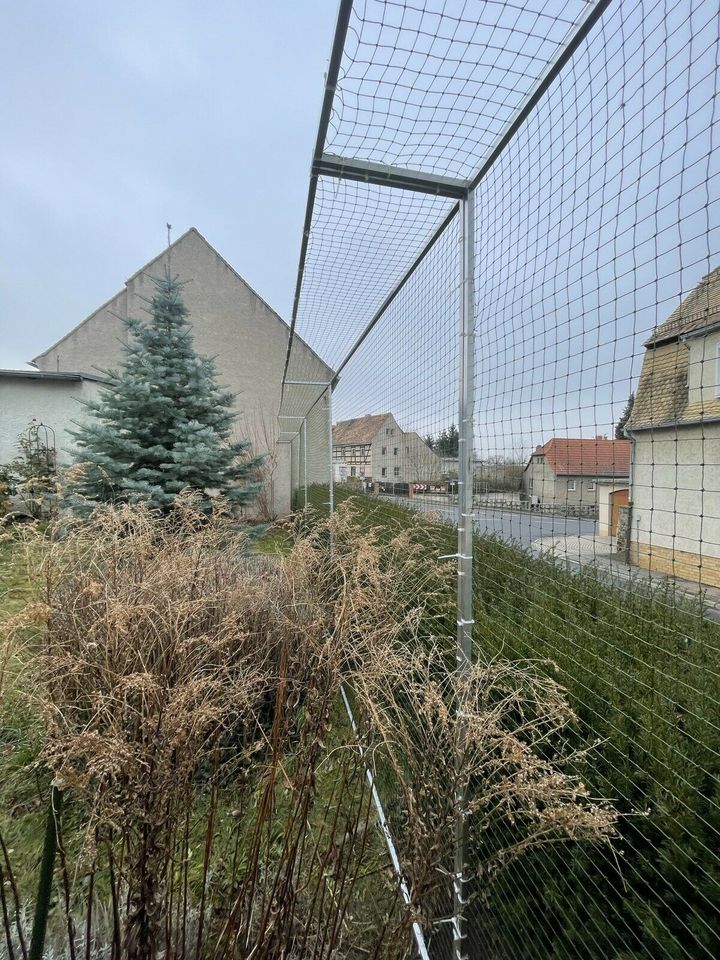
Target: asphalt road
(520,526)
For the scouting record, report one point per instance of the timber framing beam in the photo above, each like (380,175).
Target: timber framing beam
(388,176)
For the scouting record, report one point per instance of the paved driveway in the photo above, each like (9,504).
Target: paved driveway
(518,525)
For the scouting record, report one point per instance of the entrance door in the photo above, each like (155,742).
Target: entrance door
(618,498)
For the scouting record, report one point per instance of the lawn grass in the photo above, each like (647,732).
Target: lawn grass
(273,543)
(14,582)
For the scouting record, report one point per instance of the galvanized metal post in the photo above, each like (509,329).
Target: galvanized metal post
(305,458)
(331,489)
(466,409)
(295,472)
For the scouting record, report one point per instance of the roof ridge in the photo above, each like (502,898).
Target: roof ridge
(145,268)
(691,313)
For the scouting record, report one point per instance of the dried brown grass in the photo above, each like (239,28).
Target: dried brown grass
(218,802)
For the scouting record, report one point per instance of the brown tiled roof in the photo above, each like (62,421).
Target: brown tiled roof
(662,392)
(359,430)
(587,458)
(700,308)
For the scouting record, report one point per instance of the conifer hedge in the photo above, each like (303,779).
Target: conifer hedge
(643,672)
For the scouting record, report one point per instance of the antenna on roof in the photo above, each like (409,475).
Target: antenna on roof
(169,228)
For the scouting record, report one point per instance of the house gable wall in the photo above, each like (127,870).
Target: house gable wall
(385,461)
(231,323)
(95,345)
(703,372)
(539,479)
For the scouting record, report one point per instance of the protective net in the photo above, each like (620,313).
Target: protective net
(596,431)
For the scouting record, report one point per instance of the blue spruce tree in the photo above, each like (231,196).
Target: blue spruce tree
(161,424)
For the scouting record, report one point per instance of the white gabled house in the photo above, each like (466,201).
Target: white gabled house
(675,427)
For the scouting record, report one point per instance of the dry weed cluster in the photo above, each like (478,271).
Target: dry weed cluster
(215,800)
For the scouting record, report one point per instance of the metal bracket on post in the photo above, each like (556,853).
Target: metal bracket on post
(466,412)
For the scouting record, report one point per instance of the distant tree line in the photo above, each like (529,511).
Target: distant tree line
(446,443)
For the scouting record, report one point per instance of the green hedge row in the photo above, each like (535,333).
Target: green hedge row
(643,673)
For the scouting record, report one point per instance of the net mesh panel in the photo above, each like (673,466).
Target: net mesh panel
(596,226)
(431,86)
(597,280)
(398,394)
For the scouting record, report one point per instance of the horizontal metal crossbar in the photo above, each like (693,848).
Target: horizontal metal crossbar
(308,383)
(388,176)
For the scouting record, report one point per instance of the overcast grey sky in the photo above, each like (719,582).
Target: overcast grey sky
(116,118)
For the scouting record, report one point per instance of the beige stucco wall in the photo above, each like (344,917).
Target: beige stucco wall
(703,385)
(55,403)
(540,481)
(413,462)
(230,323)
(675,489)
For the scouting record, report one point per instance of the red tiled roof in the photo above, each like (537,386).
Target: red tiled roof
(587,458)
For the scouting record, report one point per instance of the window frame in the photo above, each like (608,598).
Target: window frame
(572,486)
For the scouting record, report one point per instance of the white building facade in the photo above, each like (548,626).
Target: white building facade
(675,426)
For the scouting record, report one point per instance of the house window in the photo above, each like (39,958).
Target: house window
(395,451)
(389,431)
(396,471)
(407,450)
(572,485)
(530,485)
(384,471)
(352,471)
(717,372)
(384,451)
(592,486)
